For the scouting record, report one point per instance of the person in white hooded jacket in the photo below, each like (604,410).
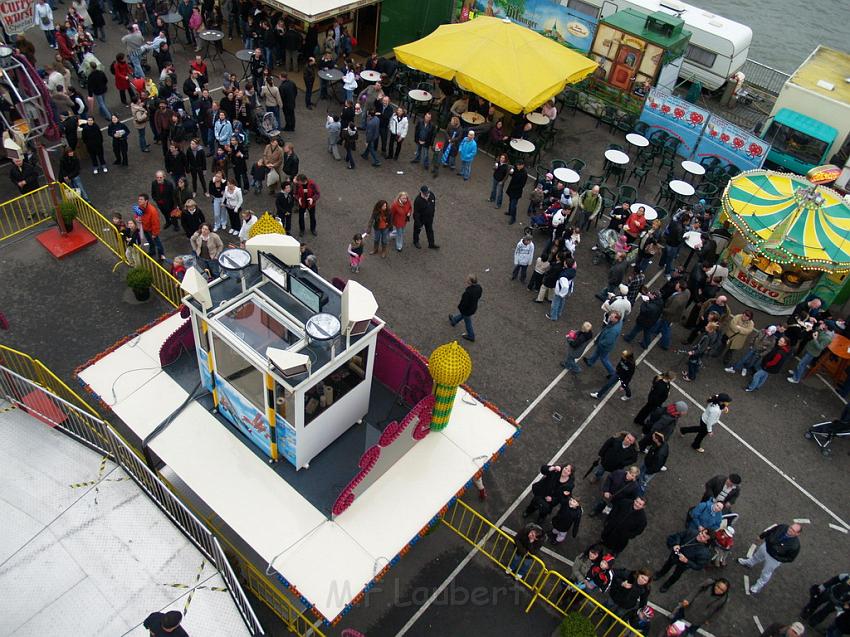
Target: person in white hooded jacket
(398,131)
(523,256)
(233,204)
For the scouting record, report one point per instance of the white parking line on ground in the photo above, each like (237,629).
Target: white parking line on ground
(761,456)
(837,528)
(758,624)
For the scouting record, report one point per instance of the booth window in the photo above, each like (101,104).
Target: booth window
(701,56)
(236,370)
(795,143)
(335,385)
(583,7)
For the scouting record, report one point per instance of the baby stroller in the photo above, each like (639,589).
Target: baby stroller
(267,126)
(541,221)
(824,432)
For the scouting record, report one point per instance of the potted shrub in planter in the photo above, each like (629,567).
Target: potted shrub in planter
(139,280)
(68,211)
(577,625)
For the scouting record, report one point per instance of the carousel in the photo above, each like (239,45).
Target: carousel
(792,239)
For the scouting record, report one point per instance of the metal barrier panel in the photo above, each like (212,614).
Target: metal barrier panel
(25,212)
(167,286)
(764,77)
(96,223)
(37,401)
(551,586)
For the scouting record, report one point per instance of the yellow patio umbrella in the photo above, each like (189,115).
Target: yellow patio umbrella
(510,65)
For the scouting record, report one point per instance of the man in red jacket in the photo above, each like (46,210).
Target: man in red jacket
(150,224)
(307,195)
(771,363)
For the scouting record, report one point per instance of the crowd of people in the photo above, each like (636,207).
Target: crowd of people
(207,158)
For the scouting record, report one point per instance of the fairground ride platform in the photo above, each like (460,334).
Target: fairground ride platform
(327,561)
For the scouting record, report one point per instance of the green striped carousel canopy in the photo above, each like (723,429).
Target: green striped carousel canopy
(790,220)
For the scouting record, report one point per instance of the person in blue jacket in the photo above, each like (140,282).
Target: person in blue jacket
(467,151)
(705,515)
(605,342)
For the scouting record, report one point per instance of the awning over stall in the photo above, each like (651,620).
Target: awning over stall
(510,65)
(317,10)
(790,220)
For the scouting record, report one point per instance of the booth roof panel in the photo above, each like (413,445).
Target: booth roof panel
(116,376)
(143,411)
(151,340)
(477,430)
(315,10)
(634,22)
(830,65)
(329,567)
(244,491)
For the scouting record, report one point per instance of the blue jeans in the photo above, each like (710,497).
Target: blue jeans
(399,238)
(801,368)
(465,169)
(268,52)
(467,322)
(422,152)
(136,62)
(219,214)
(155,248)
(647,335)
(644,479)
(497,191)
(143,142)
(520,271)
(664,328)
(758,380)
(570,361)
(51,36)
(512,208)
(670,254)
(610,383)
(370,152)
(557,307)
(349,94)
(101,106)
(76,182)
(520,565)
(748,361)
(601,355)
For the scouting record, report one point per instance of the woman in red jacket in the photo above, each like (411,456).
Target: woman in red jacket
(66,47)
(122,72)
(400,211)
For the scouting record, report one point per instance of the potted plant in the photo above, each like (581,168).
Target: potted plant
(139,280)
(68,211)
(577,625)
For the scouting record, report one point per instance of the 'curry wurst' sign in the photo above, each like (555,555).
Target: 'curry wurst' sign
(17,15)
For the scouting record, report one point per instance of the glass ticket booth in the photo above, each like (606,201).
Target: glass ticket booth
(287,365)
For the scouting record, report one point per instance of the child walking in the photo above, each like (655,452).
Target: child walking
(355,252)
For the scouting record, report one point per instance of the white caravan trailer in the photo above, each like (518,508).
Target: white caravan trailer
(718,46)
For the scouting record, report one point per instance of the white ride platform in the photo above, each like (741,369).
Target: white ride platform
(329,562)
(84,561)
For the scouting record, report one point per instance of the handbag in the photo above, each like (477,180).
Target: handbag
(45,20)
(176,213)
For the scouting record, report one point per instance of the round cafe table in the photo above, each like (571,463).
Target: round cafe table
(649,213)
(692,168)
(681,188)
(244,56)
(693,240)
(567,175)
(616,157)
(472,118)
(538,119)
(418,95)
(211,36)
(331,76)
(370,76)
(522,146)
(172,18)
(636,140)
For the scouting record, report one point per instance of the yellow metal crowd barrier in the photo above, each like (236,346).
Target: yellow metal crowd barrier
(36,371)
(548,585)
(25,212)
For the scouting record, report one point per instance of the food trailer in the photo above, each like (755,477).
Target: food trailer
(792,240)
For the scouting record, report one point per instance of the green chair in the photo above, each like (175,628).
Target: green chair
(576,165)
(608,117)
(640,171)
(558,163)
(628,193)
(594,180)
(570,101)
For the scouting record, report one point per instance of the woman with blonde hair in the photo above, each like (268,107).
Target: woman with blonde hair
(400,213)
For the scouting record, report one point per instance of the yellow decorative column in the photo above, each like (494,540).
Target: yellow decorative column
(450,366)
